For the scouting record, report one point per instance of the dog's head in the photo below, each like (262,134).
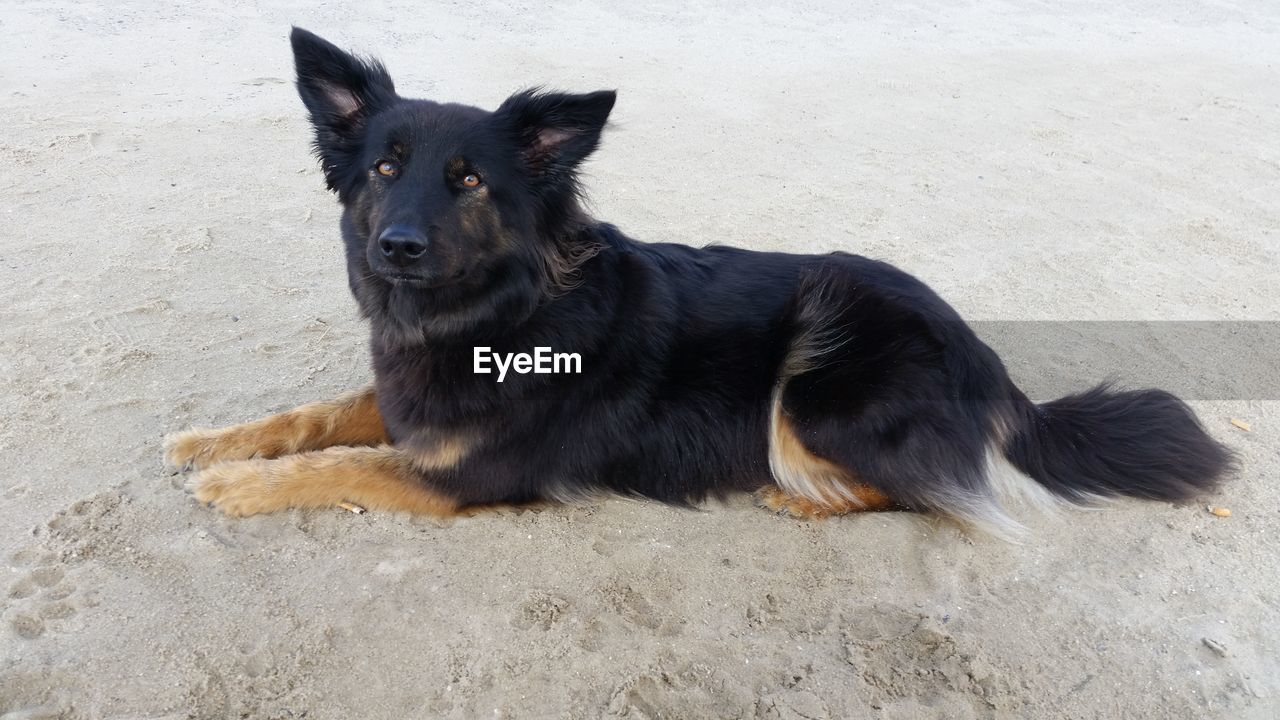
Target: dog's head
(452,213)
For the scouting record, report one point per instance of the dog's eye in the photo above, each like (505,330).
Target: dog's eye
(471,180)
(388,168)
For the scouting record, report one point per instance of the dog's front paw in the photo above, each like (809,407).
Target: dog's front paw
(189,450)
(199,448)
(236,488)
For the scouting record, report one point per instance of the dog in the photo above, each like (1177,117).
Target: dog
(825,384)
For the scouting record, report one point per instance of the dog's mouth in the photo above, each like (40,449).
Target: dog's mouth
(414,280)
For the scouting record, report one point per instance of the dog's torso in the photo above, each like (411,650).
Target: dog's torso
(682,350)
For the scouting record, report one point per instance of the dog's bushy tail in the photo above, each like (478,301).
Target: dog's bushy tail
(1105,443)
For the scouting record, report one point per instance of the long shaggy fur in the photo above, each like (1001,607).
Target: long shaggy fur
(1104,443)
(841,380)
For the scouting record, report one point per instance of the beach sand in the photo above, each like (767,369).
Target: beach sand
(169,257)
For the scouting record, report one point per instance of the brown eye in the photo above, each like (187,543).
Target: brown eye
(471,181)
(388,168)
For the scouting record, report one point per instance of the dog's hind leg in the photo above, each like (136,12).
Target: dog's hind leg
(352,419)
(809,485)
(376,478)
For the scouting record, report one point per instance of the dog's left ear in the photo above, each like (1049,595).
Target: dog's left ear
(555,131)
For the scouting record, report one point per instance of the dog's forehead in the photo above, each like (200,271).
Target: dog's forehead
(426,123)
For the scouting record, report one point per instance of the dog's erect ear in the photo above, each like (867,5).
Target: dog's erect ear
(555,131)
(336,86)
(341,92)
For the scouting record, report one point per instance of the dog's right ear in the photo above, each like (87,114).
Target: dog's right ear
(341,92)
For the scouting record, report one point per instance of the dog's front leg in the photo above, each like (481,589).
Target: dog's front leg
(376,478)
(352,419)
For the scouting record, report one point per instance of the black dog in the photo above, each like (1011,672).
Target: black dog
(829,383)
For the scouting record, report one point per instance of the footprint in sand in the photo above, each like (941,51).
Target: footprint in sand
(901,655)
(43,598)
(540,610)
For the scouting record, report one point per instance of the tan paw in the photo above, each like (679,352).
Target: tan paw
(199,448)
(778,500)
(237,488)
(859,498)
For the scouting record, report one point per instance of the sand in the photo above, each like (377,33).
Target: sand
(169,257)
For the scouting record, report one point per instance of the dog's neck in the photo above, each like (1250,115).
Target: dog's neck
(494,306)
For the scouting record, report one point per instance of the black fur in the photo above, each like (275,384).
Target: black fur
(682,349)
(1141,443)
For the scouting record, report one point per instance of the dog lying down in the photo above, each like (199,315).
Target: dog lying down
(826,384)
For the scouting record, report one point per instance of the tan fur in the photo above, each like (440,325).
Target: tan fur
(780,501)
(801,473)
(351,419)
(376,478)
(441,454)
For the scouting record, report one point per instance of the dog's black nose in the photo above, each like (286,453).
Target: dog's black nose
(401,244)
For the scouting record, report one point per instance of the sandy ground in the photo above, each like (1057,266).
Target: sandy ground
(169,257)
